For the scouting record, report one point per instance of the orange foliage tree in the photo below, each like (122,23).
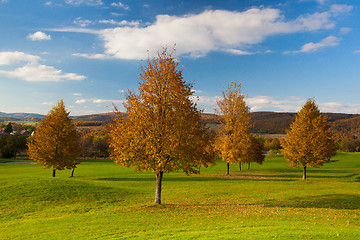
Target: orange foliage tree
(309,141)
(162,130)
(56,143)
(234,140)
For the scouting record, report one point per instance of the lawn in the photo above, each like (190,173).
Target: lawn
(107,201)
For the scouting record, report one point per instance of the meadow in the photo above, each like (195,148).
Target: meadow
(108,201)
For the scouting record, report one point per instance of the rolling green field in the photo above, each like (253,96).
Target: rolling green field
(107,201)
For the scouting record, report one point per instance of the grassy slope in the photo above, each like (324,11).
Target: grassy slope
(105,201)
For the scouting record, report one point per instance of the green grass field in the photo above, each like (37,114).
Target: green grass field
(107,201)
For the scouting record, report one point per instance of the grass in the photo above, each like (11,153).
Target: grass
(106,201)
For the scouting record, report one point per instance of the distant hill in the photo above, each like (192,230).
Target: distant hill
(104,117)
(20,115)
(276,123)
(343,125)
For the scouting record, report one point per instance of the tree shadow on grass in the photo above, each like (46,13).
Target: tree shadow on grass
(332,201)
(313,173)
(195,178)
(357,179)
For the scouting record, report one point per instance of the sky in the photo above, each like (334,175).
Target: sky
(90,52)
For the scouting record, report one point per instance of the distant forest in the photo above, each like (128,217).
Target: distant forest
(343,125)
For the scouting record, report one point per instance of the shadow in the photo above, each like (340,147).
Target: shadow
(110,179)
(332,201)
(313,173)
(181,207)
(198,178)
(357,179)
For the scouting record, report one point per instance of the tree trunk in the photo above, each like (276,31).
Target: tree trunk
(159,177)
(304,173)
(240,167)
(248,165)
(72,172)
(54,172)
(227,168)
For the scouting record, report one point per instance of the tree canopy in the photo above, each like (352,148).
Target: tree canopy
(162,130)
(56,144)
(234,140)
(309,141)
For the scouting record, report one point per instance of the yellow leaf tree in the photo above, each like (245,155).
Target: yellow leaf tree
(162,130)
(56,144)
(234,140)
(309,141)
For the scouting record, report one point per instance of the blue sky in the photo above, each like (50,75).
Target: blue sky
(88,52)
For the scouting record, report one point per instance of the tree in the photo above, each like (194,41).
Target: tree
(11,144)
(255,152)
(8,129)
(101,146)
(309,141)
(56,144)
(162,130)
(233,141)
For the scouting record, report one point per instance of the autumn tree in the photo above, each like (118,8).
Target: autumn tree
(56,144)
(162,130)
(309,141)
(255,153)
(234,140)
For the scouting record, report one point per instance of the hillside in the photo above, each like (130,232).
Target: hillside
(343,125)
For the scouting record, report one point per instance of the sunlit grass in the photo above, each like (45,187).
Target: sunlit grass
(106,201)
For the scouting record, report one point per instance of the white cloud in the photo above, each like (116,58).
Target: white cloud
(82,22)
(340,9)
(3,1)
(238,52)
(212,30)
(318,1)
(357,51)
(345,30)
(93,56)
(79,101)
(38,36)
(330,41)
(75,30)
(115,14)
(97,100)
(47,103)
(120,23)
(33,71)
(9,58)
(49,3)
(86,2)
(339,107)
(120,5)
(77,94)
(266,103)
(205,100)
(121,91)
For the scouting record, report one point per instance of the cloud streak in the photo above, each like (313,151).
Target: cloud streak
(32,71)
(330,41)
